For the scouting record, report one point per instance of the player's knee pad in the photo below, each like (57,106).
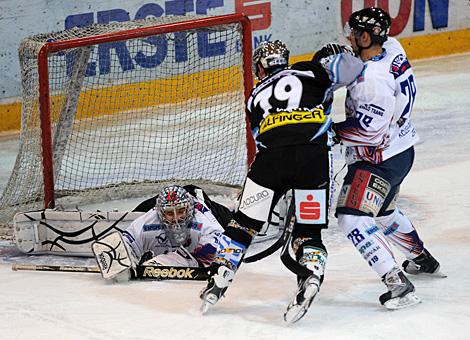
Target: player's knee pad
(369,241)
(365,192)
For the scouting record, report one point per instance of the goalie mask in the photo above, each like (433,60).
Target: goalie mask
(175,208)
(271,55)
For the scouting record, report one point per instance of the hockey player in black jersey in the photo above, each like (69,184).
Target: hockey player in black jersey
(289,112)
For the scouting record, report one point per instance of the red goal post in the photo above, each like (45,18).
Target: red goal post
(101,94)
(56,46)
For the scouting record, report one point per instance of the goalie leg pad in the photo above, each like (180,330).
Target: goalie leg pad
(113,256)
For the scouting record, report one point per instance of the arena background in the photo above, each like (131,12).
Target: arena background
(426,28)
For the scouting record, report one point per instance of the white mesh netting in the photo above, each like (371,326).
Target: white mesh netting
(129,115)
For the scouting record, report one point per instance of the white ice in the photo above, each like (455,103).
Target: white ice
(40,305)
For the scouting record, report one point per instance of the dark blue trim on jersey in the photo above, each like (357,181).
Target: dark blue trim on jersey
(128,236)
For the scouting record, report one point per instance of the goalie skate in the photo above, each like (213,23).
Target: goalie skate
(307,291)
(112,256)
(216,287)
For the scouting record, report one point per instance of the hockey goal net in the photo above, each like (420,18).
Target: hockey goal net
(115,111)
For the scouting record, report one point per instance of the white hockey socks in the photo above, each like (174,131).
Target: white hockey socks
(369,241)
(401,233)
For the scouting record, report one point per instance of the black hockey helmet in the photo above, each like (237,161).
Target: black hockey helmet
(373,20)
(271,55)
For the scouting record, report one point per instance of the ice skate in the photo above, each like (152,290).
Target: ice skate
(216,287)
(401,292)
(424,264)
(308,289)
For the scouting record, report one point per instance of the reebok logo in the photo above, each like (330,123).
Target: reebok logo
(104,264)
(169,273)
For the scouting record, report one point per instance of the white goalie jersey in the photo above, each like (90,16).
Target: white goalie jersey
(147,234)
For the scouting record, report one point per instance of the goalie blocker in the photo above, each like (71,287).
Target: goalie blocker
(116,261)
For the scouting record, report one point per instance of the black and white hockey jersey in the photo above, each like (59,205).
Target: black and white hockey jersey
(284,108)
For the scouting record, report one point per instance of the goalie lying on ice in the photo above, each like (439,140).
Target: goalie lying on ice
(180,230)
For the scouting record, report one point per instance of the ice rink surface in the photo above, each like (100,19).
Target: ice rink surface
(41,305)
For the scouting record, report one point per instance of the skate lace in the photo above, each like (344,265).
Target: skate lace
(394,282)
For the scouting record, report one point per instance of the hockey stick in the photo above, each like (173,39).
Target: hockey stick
(288,227)
(170,273)
(54,268)
(140,273)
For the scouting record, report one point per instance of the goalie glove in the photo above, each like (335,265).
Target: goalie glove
(181,257)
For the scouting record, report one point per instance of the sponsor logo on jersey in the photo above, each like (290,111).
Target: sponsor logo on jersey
(374,109)
(399,65)
(199,206)
(362,249)
(372,230)
(295,117)
(366,193)
(391,229)
(196,226)
(254,199)
(310,206)
(151,227)
(170,273)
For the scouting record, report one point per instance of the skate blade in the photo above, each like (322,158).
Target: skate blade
(297,312)
(205,307)
(207,302)
(408,300)
(437,274)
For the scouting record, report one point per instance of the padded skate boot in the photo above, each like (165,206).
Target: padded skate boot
(216,287)
(425,263)
(401,292)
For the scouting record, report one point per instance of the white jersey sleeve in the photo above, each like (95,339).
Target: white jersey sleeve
(342,69)
(205,234)
(378,107)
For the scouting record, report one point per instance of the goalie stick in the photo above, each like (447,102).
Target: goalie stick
(139,273)
(54,268)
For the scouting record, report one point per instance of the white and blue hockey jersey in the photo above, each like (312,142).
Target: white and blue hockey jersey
(147,234)
(378,108)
